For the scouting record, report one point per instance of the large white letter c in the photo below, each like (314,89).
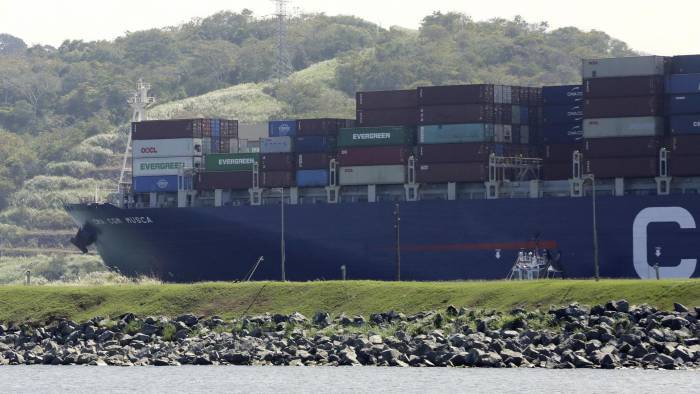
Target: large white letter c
(679,215)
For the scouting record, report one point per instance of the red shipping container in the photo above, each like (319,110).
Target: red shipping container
(452,172)
(223,180)
(387,99)
(277,161)
(373,156)
(454,153)
(621,147)
(623,86)
(324,126)
(620,107)
(271,179)
(463,113)
(313,161)
(387,117)
(683,145)
(629,167)
(455,94)
(560,152)
(557,170)
(684,165)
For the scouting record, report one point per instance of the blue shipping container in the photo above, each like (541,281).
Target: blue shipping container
(558,114)
(311,178)
(683,83)
(282,128)
(685,124)
(314,144)
(686,64)
(562,95)
(683,104)
(562,133)
(147,184)
(524,115)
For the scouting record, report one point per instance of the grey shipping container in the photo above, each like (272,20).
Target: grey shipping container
(623,127)
(452,172)
(372,175)
(624,67)
(626,167)
(385,99)
(624,86)
(618,107)
(621,147)
(276,145)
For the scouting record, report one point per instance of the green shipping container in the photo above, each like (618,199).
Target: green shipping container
(456,133)
(230,162)
(375,136)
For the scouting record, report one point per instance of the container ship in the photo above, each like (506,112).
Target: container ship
(434,183)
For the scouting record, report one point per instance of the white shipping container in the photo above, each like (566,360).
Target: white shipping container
(234,146)
(502,94)
(503,133)
(647,126)
(276,145)
(624,67)
(167,148)
(372,175)
(164,165)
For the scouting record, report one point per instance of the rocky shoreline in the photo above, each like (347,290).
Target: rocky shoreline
(614,335)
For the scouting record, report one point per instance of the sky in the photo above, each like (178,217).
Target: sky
(653,27)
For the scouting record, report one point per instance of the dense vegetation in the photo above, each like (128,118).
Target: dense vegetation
(61,109)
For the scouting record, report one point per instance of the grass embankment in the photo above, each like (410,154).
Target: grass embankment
(22,303)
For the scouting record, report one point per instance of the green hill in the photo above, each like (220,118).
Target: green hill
(305,94)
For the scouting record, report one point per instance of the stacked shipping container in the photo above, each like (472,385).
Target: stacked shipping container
(561,131)
(163,149)
(315,146)
(683,109)
(374,155)
(467,123)
(623,116)
(387,108)
(616,119)
(227,171)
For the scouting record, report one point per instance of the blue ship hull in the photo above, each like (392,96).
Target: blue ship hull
(440,240)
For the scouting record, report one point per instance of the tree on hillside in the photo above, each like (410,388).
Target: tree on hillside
(17,162)
(11,45)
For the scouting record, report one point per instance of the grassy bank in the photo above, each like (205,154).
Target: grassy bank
(20,303)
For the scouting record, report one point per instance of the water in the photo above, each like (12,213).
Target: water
(229,379)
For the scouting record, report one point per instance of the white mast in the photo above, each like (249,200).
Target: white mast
(139,101)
